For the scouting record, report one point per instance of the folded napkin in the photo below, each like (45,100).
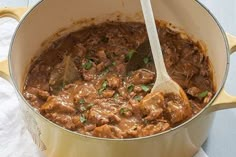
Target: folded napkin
(15,139)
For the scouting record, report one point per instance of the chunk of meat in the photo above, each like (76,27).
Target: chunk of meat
(89,127)
(154,115)
(204,71)
(102,56)
(121,68)
(42,94)
(100,114)
(30,97)
(108,93)
(133,132)
(152,105)
(114,118)
(123,92)
(137,89)
(188,51)
(87,91)
(142,77)
(186,69)
(193,91)
(176,109)
(63,120)
(58,105)
(154,129)
(100,67)
(107,131)
(170,55)
(114,81)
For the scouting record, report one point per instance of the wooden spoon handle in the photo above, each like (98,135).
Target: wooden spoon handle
(162,74)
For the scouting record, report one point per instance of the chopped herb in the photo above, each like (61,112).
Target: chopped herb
(82,119)
(81,101)
(145,88)
(203,94)
(90,105)
(100,91)
(123,110)
(113,63)
(104,86)
(130,88)
(82,108)
(105,71)
(129,55)
(116,95)
(88,65)
(138,98)
(146,60)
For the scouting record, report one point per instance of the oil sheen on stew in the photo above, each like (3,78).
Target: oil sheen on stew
(80,82)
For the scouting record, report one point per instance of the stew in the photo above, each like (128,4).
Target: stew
(80,82)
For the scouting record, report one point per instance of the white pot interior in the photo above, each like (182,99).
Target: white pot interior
(50,16)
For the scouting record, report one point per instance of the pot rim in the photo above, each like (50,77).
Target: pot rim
(129,139)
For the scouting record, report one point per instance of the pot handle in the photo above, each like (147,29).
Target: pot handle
(225,100)
(15,13)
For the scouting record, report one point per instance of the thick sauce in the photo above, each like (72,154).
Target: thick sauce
(80,82)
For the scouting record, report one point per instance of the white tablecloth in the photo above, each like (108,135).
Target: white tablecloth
(15,140)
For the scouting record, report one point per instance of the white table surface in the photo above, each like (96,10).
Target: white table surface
(222,139)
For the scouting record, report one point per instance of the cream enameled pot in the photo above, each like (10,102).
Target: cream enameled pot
(50,16)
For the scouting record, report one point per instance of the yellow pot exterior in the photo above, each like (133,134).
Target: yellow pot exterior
(57,142)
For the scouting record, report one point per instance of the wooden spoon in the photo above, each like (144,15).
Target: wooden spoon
(163,82)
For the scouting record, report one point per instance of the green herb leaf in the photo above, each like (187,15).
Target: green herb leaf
(104,86)
(123,110)
(146,60)
(138,98)
(81,101)
(145,88)
(90,105)
(88,65)
(82,108)
(113,63)
(104,72)
(129,55)
(203,94)
(116,95)
(130,88)
(82,118)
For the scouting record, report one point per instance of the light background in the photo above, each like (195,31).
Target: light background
(222,139)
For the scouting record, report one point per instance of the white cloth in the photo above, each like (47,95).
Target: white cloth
(15,140)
